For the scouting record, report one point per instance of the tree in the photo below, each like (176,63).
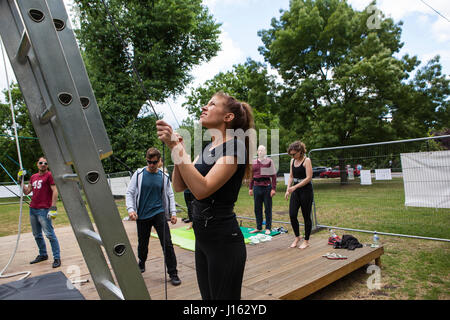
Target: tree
(165,39)
(422,105)
(249,82)
(29,145)
(344,84)
(342,77)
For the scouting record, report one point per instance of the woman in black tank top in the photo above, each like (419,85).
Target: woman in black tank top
(215,180)
(301,192)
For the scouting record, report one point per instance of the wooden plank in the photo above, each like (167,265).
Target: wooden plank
(272,271)
(332,276)
(296,278)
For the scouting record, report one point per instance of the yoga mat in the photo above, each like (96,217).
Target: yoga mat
(50,287)
(247,234)
(186,239)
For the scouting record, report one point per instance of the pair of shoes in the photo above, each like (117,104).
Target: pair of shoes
(39,258)
(334,256)
(141,266)
(281,230)
(56,263)
(259,238)
(186,220)
(175,280)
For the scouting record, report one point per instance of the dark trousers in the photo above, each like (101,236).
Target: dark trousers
(301,199)
(220,256)
(188,198)
(144,228)
(261,194)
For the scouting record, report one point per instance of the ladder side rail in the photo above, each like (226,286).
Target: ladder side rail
(80,143)
(69,192)
(80,77)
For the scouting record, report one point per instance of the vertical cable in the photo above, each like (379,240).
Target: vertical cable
(27,273)
(138,76)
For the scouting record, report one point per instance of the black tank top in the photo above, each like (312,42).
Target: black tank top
(229,192)
(300,173)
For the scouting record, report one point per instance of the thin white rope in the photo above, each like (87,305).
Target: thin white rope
(27,273)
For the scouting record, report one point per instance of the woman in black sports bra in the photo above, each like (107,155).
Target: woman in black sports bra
(214,178)
(300,189)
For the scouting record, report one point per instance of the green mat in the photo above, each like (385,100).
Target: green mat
(247,234)
(186,239)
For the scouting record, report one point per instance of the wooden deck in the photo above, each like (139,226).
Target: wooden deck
(273,271)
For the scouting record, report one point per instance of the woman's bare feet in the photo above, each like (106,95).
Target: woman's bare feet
(304,245)
(189,226)
(255,231)
(295,243)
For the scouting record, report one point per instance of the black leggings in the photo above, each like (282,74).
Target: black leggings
(220,256)
(301,199)
(144,228)
(188,198)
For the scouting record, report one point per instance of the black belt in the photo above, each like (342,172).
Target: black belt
(205,211)
(261,179)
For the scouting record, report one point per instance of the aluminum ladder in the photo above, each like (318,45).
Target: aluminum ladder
(46,60)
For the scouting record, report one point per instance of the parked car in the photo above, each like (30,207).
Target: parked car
(330,173)
(318,170)
(336,173)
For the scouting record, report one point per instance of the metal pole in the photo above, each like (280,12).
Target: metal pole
(381,143)
(384,233)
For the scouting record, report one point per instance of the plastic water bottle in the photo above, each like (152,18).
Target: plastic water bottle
(376,240)
(332,234)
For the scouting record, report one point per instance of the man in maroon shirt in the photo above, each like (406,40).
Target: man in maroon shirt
(262,187)
(42,210)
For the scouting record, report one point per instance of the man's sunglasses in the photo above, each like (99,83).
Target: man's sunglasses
(44,163)
(152,162)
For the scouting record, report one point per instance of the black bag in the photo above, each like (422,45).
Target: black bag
(348,242)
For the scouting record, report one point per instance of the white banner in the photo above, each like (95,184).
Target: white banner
(366,177)
(351,175)
(286,178)
(119,185)
(10,191)
(383,174)
(426,177)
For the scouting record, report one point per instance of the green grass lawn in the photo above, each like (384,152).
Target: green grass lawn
(377,207)
(412,268)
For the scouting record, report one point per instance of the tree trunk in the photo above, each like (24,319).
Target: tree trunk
(343,170)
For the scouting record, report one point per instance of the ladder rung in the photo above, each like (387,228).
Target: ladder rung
(71,177)
(47,115)
(93,236)
(24,48)
(111,287)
